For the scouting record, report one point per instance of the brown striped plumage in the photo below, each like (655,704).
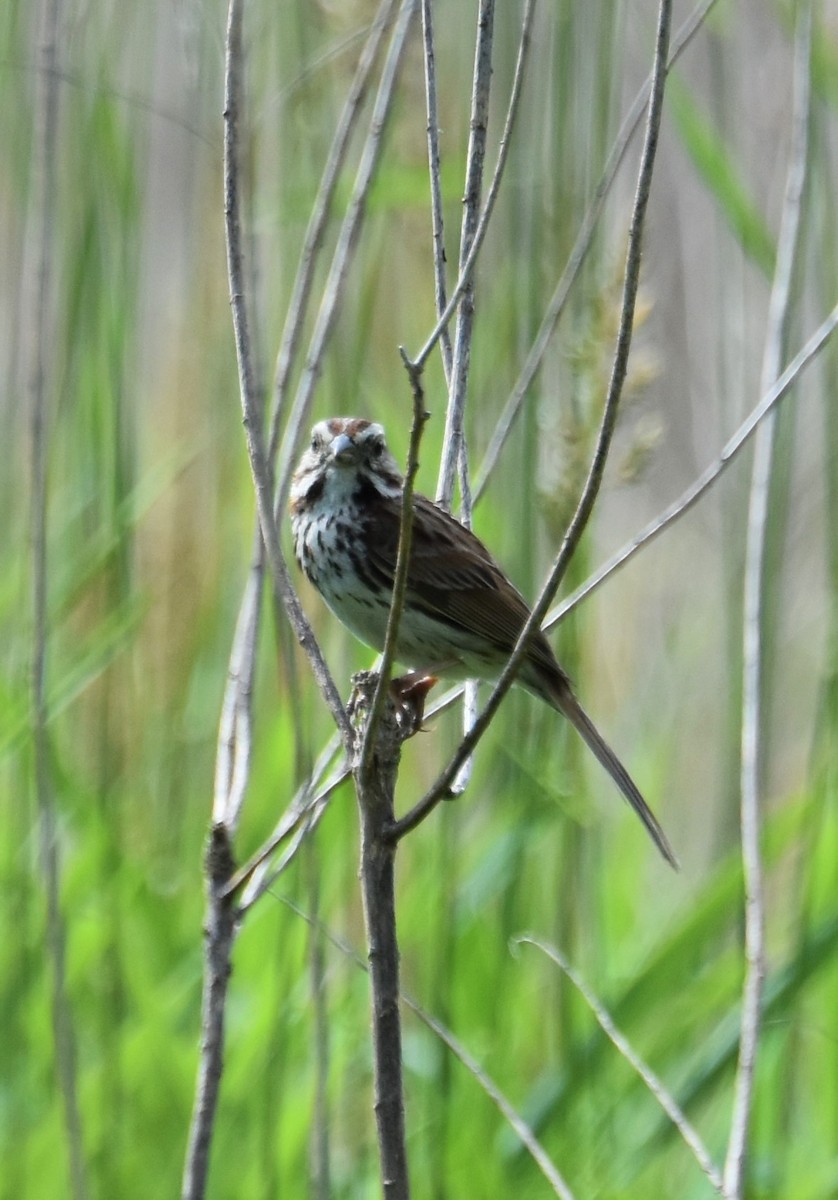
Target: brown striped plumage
(462,616)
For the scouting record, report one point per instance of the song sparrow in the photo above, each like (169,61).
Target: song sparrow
(462,616)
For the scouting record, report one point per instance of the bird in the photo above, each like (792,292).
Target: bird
(462,615)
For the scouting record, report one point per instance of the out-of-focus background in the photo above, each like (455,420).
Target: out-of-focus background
(149,522)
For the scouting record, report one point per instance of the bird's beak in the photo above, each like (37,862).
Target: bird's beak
(343,449)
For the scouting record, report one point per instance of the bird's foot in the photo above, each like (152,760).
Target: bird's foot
(410,693)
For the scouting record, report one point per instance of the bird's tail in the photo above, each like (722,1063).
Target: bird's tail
(564,699)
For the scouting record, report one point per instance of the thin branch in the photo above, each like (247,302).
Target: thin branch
(235,731)
(697,489)
(38,282)
(220,921)
(455,452)
(475,158)
(220,934)
(394,616)
(259,464)
(753,605)
(434,175)
(235,728)
(592,484)
(519,1126)
(483,224)
(658,1089)
(375,769)
(344,251)
(293,820)
(299,819)
(581,246)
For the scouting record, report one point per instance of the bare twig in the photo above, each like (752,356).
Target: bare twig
(220,922)
(235,732)
(583,242)
(434,168)
(475,157)
(592,484)
(516,1122)
(455,451)
(691,495)
(483,224)
(38,283)
(220,926)
(259,463)
(700,486)
(394,616)
(375,769)
(300,818)
(753,604)
(658,1089)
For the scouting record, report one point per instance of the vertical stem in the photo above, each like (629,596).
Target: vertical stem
(754,619)
(451,457)
(220,935)
(220,926)
(375,781)
(454,456)
(434,173)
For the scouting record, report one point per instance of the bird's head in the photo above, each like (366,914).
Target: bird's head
(345,453)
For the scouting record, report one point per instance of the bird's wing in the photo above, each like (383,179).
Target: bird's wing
(454,578)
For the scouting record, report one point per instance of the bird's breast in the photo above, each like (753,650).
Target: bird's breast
(330,547)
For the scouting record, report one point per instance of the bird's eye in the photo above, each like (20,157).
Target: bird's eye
(377,448)
(315,441)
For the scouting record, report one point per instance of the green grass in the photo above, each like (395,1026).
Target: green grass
(150,515)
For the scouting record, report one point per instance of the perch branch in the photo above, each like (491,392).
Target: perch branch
(394,617)
(375,769)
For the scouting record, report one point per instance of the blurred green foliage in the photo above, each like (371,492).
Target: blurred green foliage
(150,513)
